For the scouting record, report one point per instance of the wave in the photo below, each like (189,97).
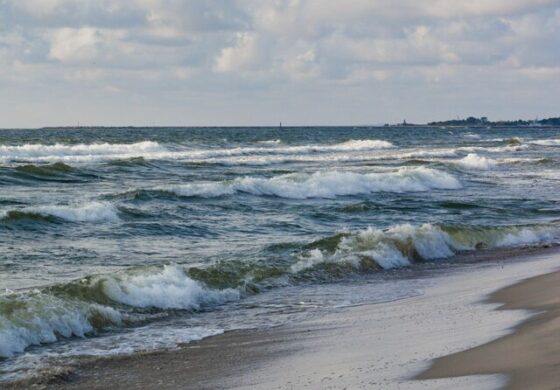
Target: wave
(85,307)
(513,141)
(271,152)
(270,142)
(387,154)
(153,150)
(54,169)
(546,142)
(494,149)
(279,152)
(78,152)
(347,146)
(89,212)
(327,184)
(544,160)
(401,245)
(129,162)
(474,161)
(131,297)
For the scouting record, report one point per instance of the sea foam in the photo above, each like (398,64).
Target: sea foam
(169,289)
(400,245)
(82,153)
(73,310)
(546,142)
(88,212)
(474,161)
(327,184)
(77,152)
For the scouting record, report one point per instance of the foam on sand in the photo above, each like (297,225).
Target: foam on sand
(383,345)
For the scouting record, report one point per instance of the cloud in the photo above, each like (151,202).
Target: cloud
(241,55)
(70,44)
(362,61)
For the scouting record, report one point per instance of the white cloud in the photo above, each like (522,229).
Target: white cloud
(69,44)
(269,51)
(240,56)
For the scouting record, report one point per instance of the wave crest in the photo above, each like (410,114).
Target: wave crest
(153,150)
(65,152)
(89,212)
(546,142)
(401,245)
(325,184)
(84,307)
(474,161)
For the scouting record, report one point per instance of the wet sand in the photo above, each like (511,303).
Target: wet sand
(531,355)
(372,346)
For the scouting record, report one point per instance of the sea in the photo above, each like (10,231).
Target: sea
(123,240)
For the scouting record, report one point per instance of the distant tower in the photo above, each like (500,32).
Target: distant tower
(280,124)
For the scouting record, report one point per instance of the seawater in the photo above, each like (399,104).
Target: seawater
(116,240)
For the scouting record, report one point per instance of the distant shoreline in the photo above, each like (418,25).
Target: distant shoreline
(286,127)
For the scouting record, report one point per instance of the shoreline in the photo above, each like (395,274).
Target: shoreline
(360,347)
(530,356)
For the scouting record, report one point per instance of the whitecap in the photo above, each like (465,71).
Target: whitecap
(170,288)
(474,161)
(40,317)
(546,142)
(88,212)
(325,184)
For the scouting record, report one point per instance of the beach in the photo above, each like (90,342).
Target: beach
(279,194)
(531,355)
(477,340)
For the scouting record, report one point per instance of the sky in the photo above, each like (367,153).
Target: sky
(259,62)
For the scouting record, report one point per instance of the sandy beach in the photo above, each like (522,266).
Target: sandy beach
(388,345)
(531,355)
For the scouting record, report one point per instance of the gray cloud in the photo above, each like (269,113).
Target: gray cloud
(255,62)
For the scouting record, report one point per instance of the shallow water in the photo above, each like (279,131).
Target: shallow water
(108,234)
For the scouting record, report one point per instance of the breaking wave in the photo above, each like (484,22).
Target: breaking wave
(87,306)
(89,212)
(324,184)
(401,245)
(270,142)
(79,152)
(474,161)
(515,147)
(153,150)
(263,153)
(546,142)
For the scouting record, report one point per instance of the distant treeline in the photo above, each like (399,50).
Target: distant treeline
(483,121)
